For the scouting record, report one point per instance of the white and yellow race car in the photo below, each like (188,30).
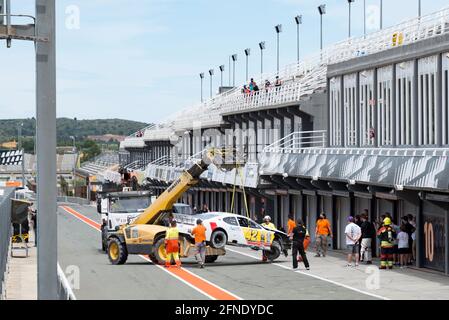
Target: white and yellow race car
(230,229)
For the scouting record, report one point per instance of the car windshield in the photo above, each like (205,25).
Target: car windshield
(129,205)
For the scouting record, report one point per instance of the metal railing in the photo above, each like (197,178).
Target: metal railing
(135,134)
(5,234)
(296,142)
(65,291)
(74,200)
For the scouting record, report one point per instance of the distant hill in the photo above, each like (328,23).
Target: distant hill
(72,127)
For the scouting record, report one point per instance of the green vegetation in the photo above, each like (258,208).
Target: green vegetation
(66,128)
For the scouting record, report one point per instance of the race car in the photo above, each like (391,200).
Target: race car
(231,229)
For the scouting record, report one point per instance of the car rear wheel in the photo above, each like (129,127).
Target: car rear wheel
(218,239)
(274,252)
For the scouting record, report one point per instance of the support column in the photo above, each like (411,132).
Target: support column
(394,106)
(447,241)
(376,108)
(415,106)
(357,111)
(47,250)
(342,101)
(420,254)
(328,114)
(439,115)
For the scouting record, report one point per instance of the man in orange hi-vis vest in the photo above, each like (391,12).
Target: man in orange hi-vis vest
(172,245)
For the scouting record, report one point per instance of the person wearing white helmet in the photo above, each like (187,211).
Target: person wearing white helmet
(268,225)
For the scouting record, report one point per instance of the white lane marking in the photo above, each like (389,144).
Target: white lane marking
(165,270)
(315,276)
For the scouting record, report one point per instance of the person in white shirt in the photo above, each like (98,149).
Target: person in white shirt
(353,234)
(403,246)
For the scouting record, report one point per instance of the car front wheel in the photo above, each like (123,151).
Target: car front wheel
(274,252)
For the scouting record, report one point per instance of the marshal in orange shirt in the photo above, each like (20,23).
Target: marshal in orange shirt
(291,225)
(323,227)
(200,233)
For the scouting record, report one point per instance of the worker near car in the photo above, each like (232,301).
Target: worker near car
(172,245)
(268,225)
(387,236)
(199,232)
(298,236)
(323,230)
(291,224)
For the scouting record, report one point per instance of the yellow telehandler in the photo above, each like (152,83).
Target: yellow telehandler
(145,235)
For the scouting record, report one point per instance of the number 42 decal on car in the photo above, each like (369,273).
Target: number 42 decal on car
(253,236)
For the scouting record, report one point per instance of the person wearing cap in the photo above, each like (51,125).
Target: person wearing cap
(268,225)
(172,245)
(353,234)
(387,236)
(199,232)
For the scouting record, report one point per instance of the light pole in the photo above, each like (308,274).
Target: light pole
(247,54)
(222,69)
(322,11)
(234,59)
(350,5)
(211,73)
(278,29)
(202,78)
(229,71)
(364,18)
(298,20)
(381,14)
(262,48)
(419,8)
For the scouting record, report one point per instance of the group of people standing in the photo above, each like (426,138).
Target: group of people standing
(253,88)
(396,242)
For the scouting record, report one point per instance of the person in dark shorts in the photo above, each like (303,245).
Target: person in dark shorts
(403,246)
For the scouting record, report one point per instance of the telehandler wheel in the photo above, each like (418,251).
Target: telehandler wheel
(211,259)
(275,251)
(159,255)
(104,241)
(117,252)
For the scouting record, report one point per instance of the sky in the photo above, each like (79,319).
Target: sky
(141,59)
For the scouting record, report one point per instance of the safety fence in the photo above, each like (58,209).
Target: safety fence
(74,200)
(5,234)
(65,291)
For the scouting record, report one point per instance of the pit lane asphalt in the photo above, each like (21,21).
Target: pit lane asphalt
(248,278)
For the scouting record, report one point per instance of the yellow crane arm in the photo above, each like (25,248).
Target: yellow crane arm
(170,196)
(222,158)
